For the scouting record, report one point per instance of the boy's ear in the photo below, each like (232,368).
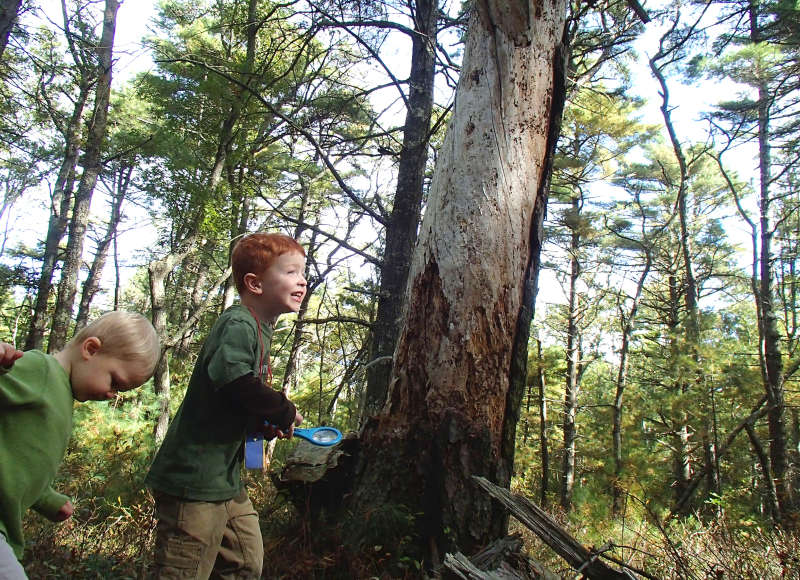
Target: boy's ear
(90,346)
(252,283)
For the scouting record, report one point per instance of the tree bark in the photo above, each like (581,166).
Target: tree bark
(451,410)
(772,356)
(61,201)
(92,284)
(91,163)
(680,433)
(544,448)
(628,323)
(763,460)
(158,271)
(401,228)
(689,290)
(9,11)
(570,429)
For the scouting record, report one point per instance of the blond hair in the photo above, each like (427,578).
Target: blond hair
(125,335)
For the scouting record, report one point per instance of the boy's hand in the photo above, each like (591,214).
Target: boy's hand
(298,419)
(271,431)
(64,513)
(8,356)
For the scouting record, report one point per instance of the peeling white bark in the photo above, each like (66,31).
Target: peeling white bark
(477,225)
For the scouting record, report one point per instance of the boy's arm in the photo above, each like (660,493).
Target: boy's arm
(253,397)
(52,504)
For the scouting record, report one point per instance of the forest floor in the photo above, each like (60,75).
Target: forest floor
(113,541)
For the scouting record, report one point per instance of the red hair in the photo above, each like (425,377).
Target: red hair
(254,253)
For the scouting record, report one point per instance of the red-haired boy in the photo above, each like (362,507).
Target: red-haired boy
(206,522)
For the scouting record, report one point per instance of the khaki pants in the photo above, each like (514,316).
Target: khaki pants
(200,540)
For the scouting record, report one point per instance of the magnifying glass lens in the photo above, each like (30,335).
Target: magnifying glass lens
(324,435)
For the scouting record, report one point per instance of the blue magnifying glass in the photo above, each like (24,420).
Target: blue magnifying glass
(254,443)
(325,436)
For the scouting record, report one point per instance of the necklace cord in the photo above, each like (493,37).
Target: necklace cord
(268,382)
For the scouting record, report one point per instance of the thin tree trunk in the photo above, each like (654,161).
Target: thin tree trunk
(92,284)
(772,366)
(297,339)
(680,505)
(689,286)
(158,271)
(795,446)
(544,448)
(450,411)
(711,447)
(773,358)
(629,321)
(763,461)
(681,453)
(571,388)
(239,225)
(193,265)
(91,163)
(117,278)
(9,12)
(61,201)
(401,229)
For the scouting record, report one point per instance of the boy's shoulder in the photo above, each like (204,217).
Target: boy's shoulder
(36,359)
(233,318)
(235,314)
(234,329)
(36,376)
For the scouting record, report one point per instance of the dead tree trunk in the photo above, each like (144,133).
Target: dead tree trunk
(455,391)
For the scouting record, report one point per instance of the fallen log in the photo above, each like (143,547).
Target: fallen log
(502,560)
(582,559)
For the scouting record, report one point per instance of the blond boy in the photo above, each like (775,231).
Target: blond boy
(115,353)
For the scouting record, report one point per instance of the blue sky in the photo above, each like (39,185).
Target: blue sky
(132,25)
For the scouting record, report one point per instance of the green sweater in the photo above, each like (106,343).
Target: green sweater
(35,425)
(201,456)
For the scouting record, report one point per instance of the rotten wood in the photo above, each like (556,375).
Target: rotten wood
(582,559)
(316,477)
(501,560)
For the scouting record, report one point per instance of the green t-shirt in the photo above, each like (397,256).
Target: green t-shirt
(201,456)
(35,425)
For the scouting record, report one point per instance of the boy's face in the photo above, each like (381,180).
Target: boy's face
(281,287)
(98,377)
